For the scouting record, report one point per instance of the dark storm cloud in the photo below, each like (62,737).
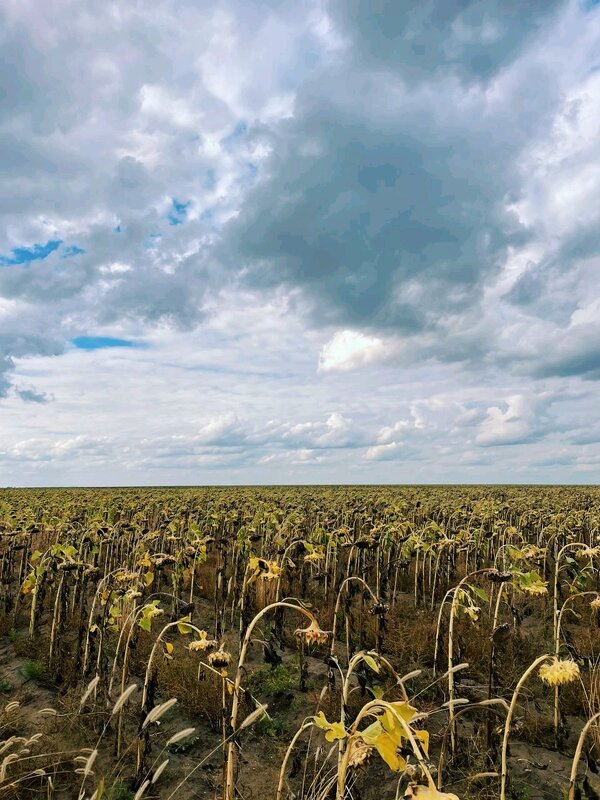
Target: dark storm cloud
(389,212)
(390,198)
(368,215)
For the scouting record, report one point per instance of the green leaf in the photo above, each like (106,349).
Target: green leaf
(481,593)
(145,623)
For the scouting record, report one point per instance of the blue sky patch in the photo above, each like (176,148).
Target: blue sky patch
(98,342)
(240,129)
(23,255)
(71,251)
(179,212)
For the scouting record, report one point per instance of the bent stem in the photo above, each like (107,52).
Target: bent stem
(564,607)
(577,756)
(286,758)
(483,704)
(338,600)
(509,717)
(228,789)
(453,611)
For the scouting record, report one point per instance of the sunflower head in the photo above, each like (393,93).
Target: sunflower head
(220,659)
(359,753)
(495,576)
(312,635)
(586,552)
(202,643)
(559,671)
(379,609)
(272,571)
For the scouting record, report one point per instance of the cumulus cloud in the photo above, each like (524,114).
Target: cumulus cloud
(520,420)
(408,212)
(112,119)
(386,452)
(351,349)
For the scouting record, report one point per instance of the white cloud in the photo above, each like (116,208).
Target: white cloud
(385,452)
(522,420)
(348,350)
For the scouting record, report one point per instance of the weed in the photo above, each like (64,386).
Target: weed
(119,791)
(32,670)
(14,635)
(273,682)
(271,727)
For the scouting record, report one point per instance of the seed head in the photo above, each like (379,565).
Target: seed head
(219,659)
(379,609)
(359,753)
(559,671)
(312,635)
(203,643)
(272,571)
(495,576)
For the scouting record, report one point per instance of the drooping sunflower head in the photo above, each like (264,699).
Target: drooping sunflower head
(359,753)
(219,659)
(202,643)
(272,571)
(312,635)
(587,552)
(379,609)
(559,671)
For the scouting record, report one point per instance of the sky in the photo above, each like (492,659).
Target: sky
(328,241)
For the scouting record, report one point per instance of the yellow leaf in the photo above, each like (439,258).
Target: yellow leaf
(392,727)
(182,627)
(423,737)
(370,734)
(148,578)
(321,722)
(333,730)
(169,648)
(405,710)
(388,750)
(28,584)
(336,731)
